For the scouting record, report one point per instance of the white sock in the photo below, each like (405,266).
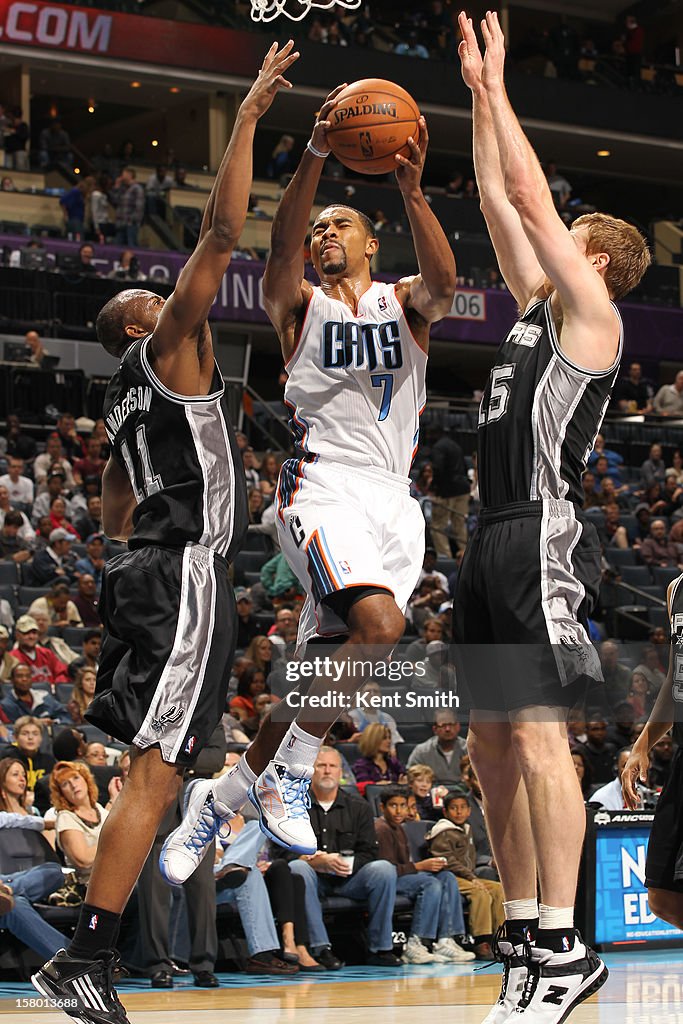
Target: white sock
(230,791)
(555,917)
(521,910)
(298,747)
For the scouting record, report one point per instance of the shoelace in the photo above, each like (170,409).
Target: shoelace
(205,830)
(532,978)
(498,956)
(295,795)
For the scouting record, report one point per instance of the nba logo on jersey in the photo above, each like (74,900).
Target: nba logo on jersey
(344,566)
(189,746)
(382,303)
(93,923)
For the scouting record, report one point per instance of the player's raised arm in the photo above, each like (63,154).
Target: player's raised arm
(187,309)
(431,292)
(591,329)
(517,260)
(285,292)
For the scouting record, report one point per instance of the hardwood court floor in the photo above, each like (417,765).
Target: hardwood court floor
(645,988)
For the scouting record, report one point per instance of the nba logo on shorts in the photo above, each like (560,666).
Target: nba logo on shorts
(345,567)
(189,746)
(93,923)
(565,943)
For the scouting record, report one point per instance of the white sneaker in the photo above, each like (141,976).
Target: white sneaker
(514,976)
(557,982)
(186,847)
(451,952)
(280,795)
(414,952)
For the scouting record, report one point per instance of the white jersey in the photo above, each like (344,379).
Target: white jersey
(356,386)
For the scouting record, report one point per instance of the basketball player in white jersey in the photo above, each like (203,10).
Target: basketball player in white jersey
(356,354)
(531,572)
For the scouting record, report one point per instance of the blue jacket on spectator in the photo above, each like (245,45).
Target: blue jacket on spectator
(44,706)
(85,566)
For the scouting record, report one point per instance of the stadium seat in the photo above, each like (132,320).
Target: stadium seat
(630,523)
(63,692)
(404,750)
(636,575)
(659,617)
(27,595)
(351,752)
(415,833)
(73,636)
(9,593)
(9,573)
(447,566)
(95,735)
(415,732)
(620,556)
(663,576)
(372,794)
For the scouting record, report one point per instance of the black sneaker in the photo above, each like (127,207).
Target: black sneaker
(383,958)
(83,989)
(558,982)
(328,960)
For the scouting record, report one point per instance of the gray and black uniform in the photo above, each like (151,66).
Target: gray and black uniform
(664,865)
(167,604)
(531,573)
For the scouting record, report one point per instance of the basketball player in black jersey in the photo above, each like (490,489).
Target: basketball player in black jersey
(530,574)
(174,488)
(664,865)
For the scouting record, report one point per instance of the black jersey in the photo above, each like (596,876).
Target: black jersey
(539,416)
(181,457)
(677,644)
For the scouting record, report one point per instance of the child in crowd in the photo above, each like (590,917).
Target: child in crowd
(437,916)
(452,838)
(421,782)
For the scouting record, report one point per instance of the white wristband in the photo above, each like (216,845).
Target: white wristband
(316,152)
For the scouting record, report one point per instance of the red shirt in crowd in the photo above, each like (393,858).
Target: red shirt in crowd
(45,666)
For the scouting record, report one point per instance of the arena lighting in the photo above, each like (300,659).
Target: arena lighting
(91,108)
(603,152)
(174,88)
(155,142)
(135,85)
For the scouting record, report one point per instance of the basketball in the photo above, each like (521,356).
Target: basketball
(370,123)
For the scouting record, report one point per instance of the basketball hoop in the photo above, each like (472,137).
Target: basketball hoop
(268,10)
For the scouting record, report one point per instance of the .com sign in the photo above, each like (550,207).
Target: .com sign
(50,25)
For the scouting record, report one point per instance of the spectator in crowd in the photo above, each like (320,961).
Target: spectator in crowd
(82,694)
(422,487)
(633,392)
(45,667)
(255,505)
(15,809)
(75,202)
(7,660)
(451,489)
(157,188)
(279,582)
(19,486)
(16,156)
(247,625)
(260,653)
(280,630)
(53,562)
(676,467)
(12,547)
(90,652)
(376,766)
(427,602)
(412,47)
(25,531)
(22,700)
(642,692)
(53,643)
(18,443)
(661,757)
(72,442)
(620,733)
(451,838)
(616,675)
(427,796)
(560,189)
(443,751)
(270,471)
(437,916)
(85,600)
(669,399)
(484,864)
(37,349)
(657,549)
(432,630)
(597,750)
(93,562)
(60,516)
(362,716)
(128,198)
(583,772)
(591,496)
(80,817)
(85,265)
(429,570)
(634,41)
(50,463)
(655,659)
(653,470)
(643,522)
(612,533)
(28,738)
(89,522)
(615,461)
(243,706)
(180,178)
(95,755)
(250,468)
(281,159)
(54,146)
(100,213)
(610,796)
(92,464)
(58,606)
(344,828)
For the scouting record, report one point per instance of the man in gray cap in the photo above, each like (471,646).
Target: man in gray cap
(53,564)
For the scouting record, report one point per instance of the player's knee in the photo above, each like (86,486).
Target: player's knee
(538,746)
(666,905)
(381,627)
(487,746)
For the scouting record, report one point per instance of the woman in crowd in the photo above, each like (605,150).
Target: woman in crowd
(641,696)
(270,471)
(243,707)
(255,500)
(260,653)
(80,818)
(583,773)
(59,520)
(376,766)
(57,605)
(15,811)
(82,694)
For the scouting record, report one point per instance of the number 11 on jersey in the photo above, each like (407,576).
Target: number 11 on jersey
(151,481)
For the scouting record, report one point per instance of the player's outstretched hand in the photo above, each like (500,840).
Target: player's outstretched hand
(471,60)
(409,169)
(494,57)
(270,78)
(635,770)
(319,136)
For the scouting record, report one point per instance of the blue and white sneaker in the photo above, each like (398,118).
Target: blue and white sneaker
(186,847)
(280,795)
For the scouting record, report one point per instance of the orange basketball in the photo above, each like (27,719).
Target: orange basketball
(369,123)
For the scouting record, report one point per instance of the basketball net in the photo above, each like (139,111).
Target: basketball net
(267,10)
